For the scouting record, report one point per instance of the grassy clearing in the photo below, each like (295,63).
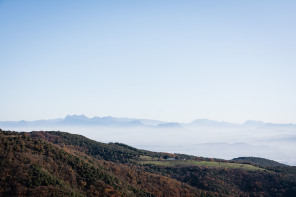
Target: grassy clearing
(148,158)
(202,163)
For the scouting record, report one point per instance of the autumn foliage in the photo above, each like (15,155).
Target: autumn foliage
(63,164)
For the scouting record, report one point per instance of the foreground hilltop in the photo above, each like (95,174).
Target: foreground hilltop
(63,164)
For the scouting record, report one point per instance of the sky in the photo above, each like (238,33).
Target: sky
(166,60)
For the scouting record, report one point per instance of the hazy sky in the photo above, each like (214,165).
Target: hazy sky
(158,59)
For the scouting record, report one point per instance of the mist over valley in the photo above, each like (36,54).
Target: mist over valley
(201,137)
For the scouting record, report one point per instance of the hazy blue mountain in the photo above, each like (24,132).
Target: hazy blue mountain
(109,121)
(210,123)
(148,122)
(100,121)
(253,123)
(260,124)
(76,119)
(82,120)
(272,125)
(24,123)
(247,124)
(170,125)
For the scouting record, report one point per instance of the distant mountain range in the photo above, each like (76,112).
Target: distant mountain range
(109,121)
(81,120)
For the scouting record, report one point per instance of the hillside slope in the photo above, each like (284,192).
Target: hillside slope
(260,161)
(33,166)
(63,164)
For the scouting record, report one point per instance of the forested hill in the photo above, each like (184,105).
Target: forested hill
(63,164)
(260,161)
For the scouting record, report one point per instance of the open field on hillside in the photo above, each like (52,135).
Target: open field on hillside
(177,163)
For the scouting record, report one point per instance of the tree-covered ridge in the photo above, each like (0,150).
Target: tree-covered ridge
(63,164)
(260,161)
(32,166)
(116,152)
(230,181)
(40,164)
(268,165)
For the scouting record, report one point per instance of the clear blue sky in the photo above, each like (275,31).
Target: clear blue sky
(158,59)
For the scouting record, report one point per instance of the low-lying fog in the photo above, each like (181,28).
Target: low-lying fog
(227,143)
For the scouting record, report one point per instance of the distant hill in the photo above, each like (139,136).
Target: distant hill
(109,121)
(253,123)
(260,161)
(63,164)
(211,123)
(81,120)
(260,124)
(170,125)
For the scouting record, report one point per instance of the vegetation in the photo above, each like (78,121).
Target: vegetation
(63,164)
(212,164)
(259,161)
